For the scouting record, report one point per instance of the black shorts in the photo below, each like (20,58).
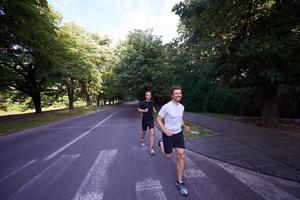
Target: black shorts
(175,141)
(147,123)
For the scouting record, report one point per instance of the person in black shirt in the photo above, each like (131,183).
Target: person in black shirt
(147,108)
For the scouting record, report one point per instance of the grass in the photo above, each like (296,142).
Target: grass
(197,131)
(218,115)
(288,127)
(18,110)
(42,119)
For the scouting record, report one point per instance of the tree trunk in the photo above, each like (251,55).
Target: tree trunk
(88,99)
(37,102)
(269,105)
(71,97)
(99,98)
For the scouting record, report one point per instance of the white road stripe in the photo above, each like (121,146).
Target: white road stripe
(199,181)
(17,170)
(150,189)
(261,186)
(39,184)
(79,137)
(191,170)
(94,184)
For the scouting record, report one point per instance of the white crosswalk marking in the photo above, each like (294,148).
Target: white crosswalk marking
(17,170)
(191,170)
(199,181)
(262,187)
(36,186)
(150,189)
(95,182)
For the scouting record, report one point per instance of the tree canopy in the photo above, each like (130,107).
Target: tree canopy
(27,40)
(142,65)
(254,44)
(233,56)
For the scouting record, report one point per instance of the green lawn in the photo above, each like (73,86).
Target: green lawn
(13,126)
(218,115)
(197,131)
(17,109)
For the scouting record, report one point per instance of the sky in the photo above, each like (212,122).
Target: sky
(117,17)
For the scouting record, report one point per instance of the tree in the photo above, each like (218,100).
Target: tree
(142,65)
(253,43)
(80,60)
(27,40)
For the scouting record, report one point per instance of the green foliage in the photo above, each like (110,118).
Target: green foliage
(142,65)
(253,44)
(43,60)
(80,60)
(234,56)
(28,39)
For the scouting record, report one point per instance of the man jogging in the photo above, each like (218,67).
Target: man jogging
(147,108)
(172,136)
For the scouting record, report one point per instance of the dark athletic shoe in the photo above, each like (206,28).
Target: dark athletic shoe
(182,188)
(159,140)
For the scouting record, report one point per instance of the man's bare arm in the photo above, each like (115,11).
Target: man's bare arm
(186,129)
(143,110)
(162,127)
(154,109)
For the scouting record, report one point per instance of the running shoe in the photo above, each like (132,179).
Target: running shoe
(159,140)
(151,150)
(182,188)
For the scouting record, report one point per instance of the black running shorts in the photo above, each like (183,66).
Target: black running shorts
(175,141)
(147,123)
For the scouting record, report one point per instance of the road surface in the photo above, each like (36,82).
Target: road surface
(98,156)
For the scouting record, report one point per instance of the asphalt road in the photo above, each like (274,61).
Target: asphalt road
(98,156)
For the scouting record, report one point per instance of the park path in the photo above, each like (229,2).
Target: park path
(98,156)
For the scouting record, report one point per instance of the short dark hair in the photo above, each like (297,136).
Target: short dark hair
(175,87)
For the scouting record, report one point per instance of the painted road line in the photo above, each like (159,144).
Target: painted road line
(259,185)
(17,170)
(150,189)
(79,137)
(94,184)
(39,184)
(191,170)
(200,182)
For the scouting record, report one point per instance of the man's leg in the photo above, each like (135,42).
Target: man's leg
(152,137)
(180,163)
(151,130)
(166,147)
(144,129)
(179,148)
(143,136)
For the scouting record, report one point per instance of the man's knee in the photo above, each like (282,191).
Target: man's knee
(152,132)
(180,155)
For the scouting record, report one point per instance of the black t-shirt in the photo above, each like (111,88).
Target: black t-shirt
(147,104)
